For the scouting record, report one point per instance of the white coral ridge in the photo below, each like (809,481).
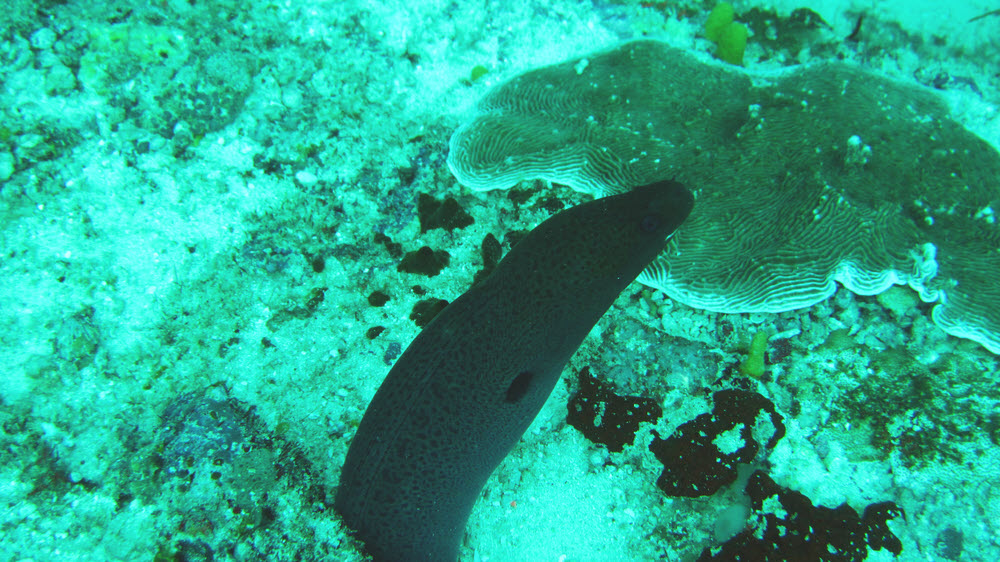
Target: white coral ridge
(856,279)
(824,175)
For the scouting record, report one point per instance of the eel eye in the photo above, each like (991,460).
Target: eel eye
(650,223)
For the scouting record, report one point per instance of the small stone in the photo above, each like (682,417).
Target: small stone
(59,80)
(378,298)
(599,458)
(306,179)
(42,39)
(6,166)
(424,261)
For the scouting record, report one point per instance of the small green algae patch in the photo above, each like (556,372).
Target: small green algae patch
(478,72)
(753,365)
(720,17)
(730,37)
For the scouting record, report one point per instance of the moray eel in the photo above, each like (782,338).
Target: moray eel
(471,382)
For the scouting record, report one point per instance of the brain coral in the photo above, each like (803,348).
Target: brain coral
(816,175)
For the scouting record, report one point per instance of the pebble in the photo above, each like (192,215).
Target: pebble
(306,179)
(42,39)
(6,166)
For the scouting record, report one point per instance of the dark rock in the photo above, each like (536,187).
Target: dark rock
(604,417)
(693,463)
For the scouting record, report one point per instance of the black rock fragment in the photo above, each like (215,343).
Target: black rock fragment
(424,261)
(447,214)
(698,459)
(604,417)
(491,252)
(395,249)
(425,311)
(378,298)
(792,528)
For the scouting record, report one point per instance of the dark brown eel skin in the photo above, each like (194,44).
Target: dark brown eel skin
(471,382)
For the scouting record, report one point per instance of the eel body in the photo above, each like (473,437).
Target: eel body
(471,382)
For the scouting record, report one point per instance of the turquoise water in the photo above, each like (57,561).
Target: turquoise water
(203,207)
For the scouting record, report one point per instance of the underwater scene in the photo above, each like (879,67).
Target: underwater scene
(539,280)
